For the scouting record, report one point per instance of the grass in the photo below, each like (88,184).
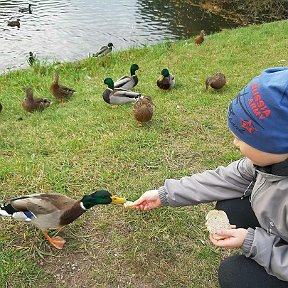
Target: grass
(85,145)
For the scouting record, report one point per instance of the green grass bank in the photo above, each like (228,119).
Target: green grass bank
(85,145)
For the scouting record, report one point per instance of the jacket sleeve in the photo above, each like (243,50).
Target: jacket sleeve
(212,185)
(268,250)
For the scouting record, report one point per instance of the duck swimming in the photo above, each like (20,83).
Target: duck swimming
(128,82)
(118,96)
(31,104)
(54,211)
(15,23)
(28,9)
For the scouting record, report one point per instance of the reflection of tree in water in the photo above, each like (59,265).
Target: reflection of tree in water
(180,18)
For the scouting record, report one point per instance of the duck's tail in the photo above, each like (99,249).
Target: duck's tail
(6,210)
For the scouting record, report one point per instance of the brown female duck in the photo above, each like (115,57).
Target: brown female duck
(200,38)
(62,93)
(143,110)
(14,23)
(216,82)
(31,104)
(53,211)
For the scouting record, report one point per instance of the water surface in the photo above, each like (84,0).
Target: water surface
(68,30)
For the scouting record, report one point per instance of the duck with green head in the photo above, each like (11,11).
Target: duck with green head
(166,80)
(118,96)
(104,50)
(128,82)
(54,211)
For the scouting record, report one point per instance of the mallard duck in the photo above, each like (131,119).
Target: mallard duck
(14,23)
(200,38)
(143,110)
(118,96)
(166,80)
(26,9)
(104,50)
(60,92)
(217,81)
(53,211)
(31,58)
(128,82)
(31,104)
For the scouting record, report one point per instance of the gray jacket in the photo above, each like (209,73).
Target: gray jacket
(268,244)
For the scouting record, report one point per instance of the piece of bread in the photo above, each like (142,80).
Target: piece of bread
(129,205)
(217,220)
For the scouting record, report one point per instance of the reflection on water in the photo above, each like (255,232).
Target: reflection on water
(71,29)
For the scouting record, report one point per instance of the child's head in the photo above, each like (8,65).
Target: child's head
(258,115)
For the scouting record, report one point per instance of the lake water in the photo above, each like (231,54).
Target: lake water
(68,30)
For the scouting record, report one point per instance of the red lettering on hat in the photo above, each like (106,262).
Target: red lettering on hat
(257,104)
(248,125)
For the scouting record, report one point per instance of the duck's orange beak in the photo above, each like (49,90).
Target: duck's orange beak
(118,200)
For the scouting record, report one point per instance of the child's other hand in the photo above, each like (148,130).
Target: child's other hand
(234,238)
(149,200)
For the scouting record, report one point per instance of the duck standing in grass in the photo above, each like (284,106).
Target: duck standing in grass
(128,82)
(14,23)
(53,211)
(143,110)
(216,82)
(31,104)
(31,58)
(104,50)
(26,9)
(166,80)
(118,96)
(200,38)
(62,93)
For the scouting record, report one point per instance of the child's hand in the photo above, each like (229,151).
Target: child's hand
(149,200)
(234,238)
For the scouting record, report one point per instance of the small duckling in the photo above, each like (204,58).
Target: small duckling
(143,110)
(31,104)
(217,81)
(128,82)
(104,50)
(31,58)
(166,80)
(24,10)
(200,38)
(14,23)
(62,93)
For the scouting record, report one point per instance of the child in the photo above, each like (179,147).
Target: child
(253,191)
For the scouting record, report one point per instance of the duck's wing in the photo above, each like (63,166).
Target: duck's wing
(125,93)
(41,203)
(102,50)
(122,81)
(66,90)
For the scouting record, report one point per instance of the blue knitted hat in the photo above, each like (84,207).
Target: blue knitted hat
(258,115)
